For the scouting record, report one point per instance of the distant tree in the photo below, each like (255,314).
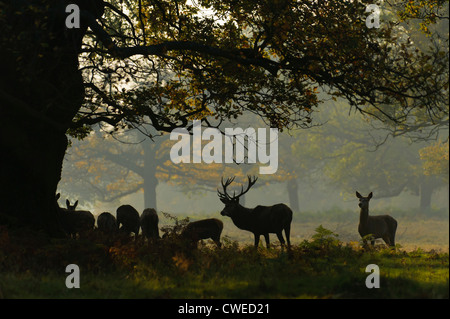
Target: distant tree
(435,159)
(105,168)
(352,155)
(435,165)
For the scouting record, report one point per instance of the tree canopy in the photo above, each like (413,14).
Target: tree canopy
(168,63)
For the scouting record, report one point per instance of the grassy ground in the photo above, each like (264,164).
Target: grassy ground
(414,231)
(321,264)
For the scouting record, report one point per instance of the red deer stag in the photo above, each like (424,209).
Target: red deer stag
(382,226)
(260,220)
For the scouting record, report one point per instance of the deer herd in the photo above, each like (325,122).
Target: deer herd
(260,220)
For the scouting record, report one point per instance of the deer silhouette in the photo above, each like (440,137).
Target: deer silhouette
(128,217)
(382,226)
(149,224)
(204,229)
(260,220)
(107,223)
(76,221)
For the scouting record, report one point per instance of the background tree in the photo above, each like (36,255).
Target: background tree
(435,168)
(435,159)
(354,156)
(106,167)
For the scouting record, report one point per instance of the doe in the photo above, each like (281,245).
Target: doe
(382,226)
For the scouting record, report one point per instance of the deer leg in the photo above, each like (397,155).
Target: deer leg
(393,234)
(392,240)
(217,241)
(287,232)
(266,238)
(388,241)
(280,238)
(256,240)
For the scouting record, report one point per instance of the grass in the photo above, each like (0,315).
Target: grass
(263,275)
(321,264)
(414,230)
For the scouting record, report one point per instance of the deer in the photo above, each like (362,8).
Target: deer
(107,223)
(128,217)
(149,223)
(260,220)
(204,229)
(76,221)
(381,226)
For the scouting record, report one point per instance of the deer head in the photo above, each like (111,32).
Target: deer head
(364,201)
(232,202)
(71,207)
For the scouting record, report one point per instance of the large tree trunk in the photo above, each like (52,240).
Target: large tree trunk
(41,90)
(29,175)
(150,180)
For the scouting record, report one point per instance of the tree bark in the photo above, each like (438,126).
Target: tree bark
(29,175)
(41,90)
(150,180)
(426,192)
(292,188)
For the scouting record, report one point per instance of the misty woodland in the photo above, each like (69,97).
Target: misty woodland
(148,145)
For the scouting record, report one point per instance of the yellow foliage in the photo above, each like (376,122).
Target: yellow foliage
(435,159)
(181,262)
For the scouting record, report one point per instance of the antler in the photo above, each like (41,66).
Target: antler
(250,184)
(225,195)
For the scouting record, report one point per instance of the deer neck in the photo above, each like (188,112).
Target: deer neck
(242,218)
(364,215)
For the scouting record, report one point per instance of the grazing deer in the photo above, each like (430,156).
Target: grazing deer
(149,223)
(128,216)
(107,223)
(204,229)
(382,226)
(260,220)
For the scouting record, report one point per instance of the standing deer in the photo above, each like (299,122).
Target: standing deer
(204,229)
(76,221)
(260,220)
(382,226)
(149,223)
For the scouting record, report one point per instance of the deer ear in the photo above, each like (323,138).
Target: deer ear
(75,205)
(358,195)
(223,200)
(370,195)
(67,203)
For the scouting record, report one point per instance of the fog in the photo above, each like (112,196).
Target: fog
(341,153)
